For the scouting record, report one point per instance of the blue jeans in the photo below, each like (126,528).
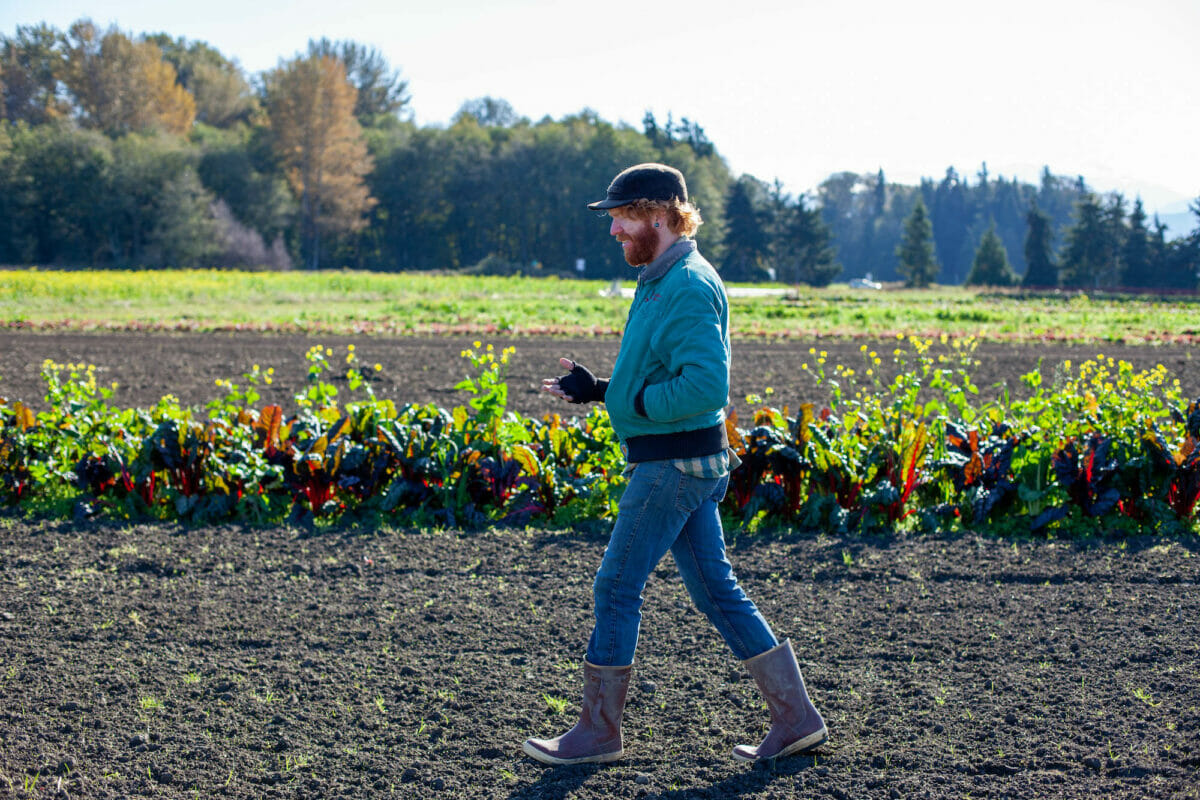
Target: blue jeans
(662,509)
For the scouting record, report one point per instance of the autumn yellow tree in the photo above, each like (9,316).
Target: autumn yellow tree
(311,109)
(31,67)
(122,85)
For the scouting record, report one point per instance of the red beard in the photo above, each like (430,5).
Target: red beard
(641,247)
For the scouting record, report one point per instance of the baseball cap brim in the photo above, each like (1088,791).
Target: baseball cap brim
(601,205)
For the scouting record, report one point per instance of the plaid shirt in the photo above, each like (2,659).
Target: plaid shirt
(715,466)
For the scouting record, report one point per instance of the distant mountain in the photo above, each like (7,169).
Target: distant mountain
(1179,220)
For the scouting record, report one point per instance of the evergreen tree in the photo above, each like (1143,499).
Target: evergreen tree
(1086,258)
(803,252)
(954,211)
(1182,258)
(918,263)
(747,237)
(1137,264)
(1040,268)
(991,267)
(1114,240)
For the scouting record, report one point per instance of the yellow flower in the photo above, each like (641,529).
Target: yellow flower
(350,347)
(477,345)
(378,367)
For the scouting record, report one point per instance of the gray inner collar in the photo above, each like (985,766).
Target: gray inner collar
(659,266)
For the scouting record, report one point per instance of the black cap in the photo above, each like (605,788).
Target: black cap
(644,182)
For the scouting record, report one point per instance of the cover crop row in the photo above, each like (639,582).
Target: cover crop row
(1101,448)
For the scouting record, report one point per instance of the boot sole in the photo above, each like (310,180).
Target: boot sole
(546,758)
(810,742)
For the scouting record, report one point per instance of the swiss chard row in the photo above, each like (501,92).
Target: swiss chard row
(1102,447)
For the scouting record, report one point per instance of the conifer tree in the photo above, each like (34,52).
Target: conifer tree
(918,264)
(1086,257)
(1137,264)
(991,267)
(1039,252)
(802,249)
(747,240)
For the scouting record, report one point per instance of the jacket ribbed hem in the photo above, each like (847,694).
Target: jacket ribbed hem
(683,444)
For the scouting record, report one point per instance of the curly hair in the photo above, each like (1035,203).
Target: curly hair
(683,218)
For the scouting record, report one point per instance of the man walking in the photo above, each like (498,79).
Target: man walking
(666,401)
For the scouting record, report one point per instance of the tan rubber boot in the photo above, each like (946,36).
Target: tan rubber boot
(596,738)
(796,726)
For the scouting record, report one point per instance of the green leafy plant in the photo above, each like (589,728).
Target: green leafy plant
(1098,443)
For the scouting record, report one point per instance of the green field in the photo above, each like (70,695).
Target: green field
(423,303)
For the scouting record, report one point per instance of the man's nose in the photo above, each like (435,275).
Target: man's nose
(615,227)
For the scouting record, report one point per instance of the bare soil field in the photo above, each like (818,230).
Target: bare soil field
(228,662)
(163,661)
(425,370)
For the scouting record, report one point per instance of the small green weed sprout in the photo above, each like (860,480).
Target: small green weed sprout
(556,704)
(150,703)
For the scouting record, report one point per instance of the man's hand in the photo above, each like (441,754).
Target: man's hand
(578,386)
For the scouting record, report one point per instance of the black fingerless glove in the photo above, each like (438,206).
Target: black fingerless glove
(583,386)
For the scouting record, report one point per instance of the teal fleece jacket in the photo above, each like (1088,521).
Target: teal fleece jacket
(675,349)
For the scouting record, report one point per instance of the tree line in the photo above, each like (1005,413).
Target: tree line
(152,151)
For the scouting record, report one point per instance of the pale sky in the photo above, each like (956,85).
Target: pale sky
(787,89)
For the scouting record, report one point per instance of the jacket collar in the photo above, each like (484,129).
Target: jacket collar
(659,266)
